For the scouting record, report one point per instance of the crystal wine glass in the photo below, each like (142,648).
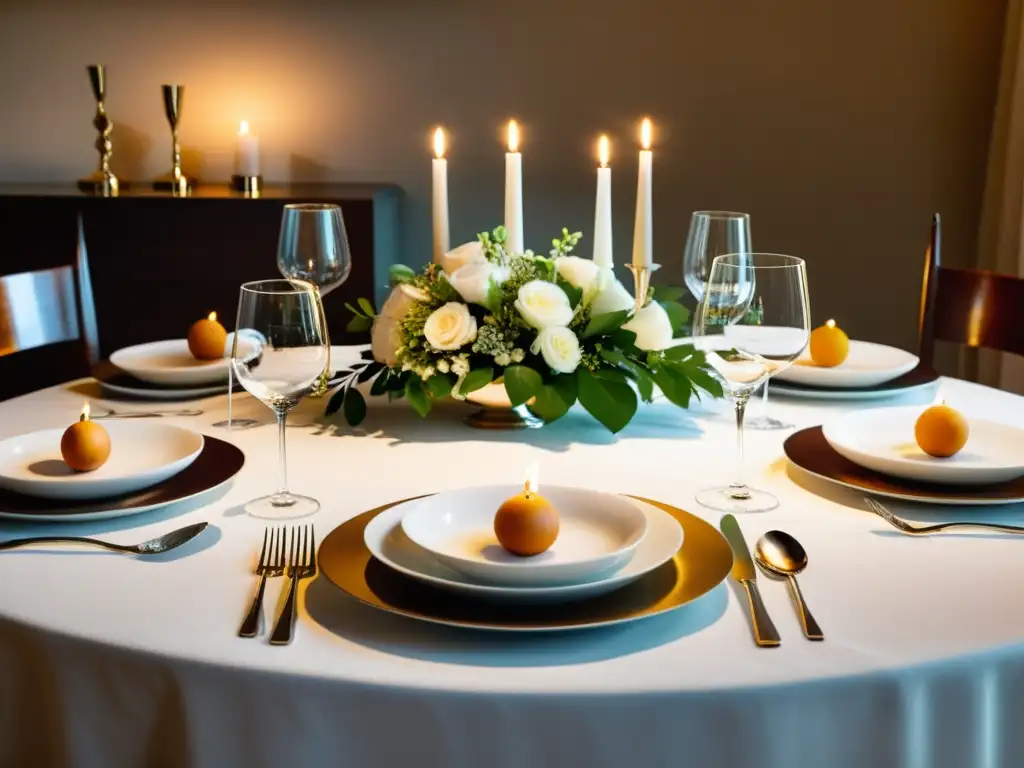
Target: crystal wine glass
(313,246)
(288,319)
(744,355)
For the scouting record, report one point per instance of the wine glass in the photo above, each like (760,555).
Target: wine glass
(743,355)
(287,318)
(712,233)
(313,246)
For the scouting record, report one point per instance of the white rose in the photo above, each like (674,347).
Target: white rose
(473,281)
(450,327)
(543,305)
(386,336)
(560,349)
(652,327)
(613,297)
(580,273)
(467,253)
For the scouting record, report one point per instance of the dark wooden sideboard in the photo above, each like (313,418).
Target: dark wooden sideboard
(157,262)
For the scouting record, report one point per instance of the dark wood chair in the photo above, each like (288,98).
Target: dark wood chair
(47,327)
(967,306)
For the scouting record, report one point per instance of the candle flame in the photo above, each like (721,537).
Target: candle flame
(439,143)
(645,133)
(513,136)
(831,324)
(532,484)
(603,151)
(212,317)
(243,128)
(85,412)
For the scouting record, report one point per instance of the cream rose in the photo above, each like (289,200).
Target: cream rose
(612,297)
(652,327)
(386,336)
(580,273)
(559,347)
(543,305)
(450,327)
(473,281)
(467,253)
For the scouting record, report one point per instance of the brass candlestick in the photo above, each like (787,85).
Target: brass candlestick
(102,181)
(174,180)
(641,283)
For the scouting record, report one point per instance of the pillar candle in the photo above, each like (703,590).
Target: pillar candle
(603,209)
(440,198)
(513,191)
(247,152)
(643,226)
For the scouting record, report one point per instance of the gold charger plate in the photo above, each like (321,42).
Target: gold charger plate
(701,564)
(809,450)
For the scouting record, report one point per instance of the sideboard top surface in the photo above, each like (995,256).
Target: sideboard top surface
(311,191)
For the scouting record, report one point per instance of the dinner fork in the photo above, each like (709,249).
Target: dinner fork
(918,530)
(271,564)
(301,565)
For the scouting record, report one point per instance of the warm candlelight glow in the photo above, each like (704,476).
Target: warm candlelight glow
(532,483)
(85,412)
(645,133)
(212,317)
(439,143)
(831,324)
(603,151)
(243,128)
(513,136)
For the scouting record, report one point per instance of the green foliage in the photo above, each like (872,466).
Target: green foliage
(440,385)
(665,293)
(476,379)
(400,273)
(355,407)
(417,395)
(605,323)
(554,399)
(522,383)
(612,403)
(563,246)
(678,315)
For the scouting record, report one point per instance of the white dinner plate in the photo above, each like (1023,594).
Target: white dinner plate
(142,454)
(867,365)
(170,363)
(861,395)
(388,543)
(883,440)
(598,533)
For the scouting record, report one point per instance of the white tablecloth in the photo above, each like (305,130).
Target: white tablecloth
(107,660)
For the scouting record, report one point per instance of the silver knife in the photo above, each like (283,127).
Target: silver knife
(743,571)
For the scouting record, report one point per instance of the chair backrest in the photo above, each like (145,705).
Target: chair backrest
(968,306)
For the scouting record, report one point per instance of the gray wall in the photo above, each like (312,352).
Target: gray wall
(839,125)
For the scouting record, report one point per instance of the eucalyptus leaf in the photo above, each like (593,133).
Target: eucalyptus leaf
(605,323)
(380,384)
(367,307)
(353,310)
(355,407)
(359,324)
(476,379)
(611,403)
(522,383)
(334,404)
(369,372)
(417,394)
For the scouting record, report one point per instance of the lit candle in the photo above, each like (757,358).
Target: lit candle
(207,338)
(247,152)
(85,445)
(829,345)
(440,198)
(643,226)
(603,208)
(526,524)
(513,191)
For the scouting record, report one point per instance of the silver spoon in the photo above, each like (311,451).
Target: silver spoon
(779,553)
(155,546)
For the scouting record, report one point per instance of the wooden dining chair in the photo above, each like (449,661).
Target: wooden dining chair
(967,306)
(47,327)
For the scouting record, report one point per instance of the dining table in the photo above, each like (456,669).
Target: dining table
(109,659)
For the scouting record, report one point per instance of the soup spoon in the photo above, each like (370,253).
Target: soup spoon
(779,553)
(155,546)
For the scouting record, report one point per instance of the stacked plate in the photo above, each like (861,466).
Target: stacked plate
(876,451)
(870,372)
(616,559)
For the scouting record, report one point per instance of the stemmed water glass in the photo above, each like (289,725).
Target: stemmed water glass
(287,318)
(744,355)
(313,246)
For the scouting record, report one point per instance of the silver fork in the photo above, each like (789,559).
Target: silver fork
(301,565)
(918,530)
(271,564)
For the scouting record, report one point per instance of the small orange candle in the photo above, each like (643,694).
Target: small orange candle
(829,345)
(85,445)
(941,431)
(207,338)
(527,524)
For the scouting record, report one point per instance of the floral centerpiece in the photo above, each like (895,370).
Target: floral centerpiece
(555,329)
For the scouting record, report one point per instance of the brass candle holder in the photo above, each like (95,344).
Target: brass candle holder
(102,181)
(250,186)
(641,283)
(174,181)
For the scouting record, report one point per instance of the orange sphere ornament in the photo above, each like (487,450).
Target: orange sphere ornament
(85,445)
(207,338)
(526,524)
(829,345)
(941,431)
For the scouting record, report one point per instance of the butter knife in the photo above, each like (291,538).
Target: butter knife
(743,571)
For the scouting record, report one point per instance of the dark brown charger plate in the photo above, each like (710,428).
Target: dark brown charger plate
(918,377)
(809,450)
(217,463)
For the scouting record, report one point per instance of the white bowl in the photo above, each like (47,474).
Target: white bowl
(141,454)
(388,543)
(882,440)
(867,365)
(171,364)
(598,533)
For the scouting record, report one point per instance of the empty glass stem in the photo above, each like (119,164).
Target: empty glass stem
(738,488)
(282,498)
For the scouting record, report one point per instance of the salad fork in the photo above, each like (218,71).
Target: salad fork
(918,530)
(301,565)
(271,564)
